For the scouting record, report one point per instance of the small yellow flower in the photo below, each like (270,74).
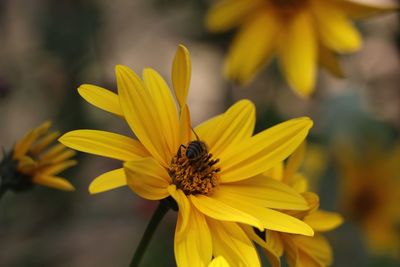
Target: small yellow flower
(370,194)
(299,250)
(213,172)
(300,33)
(34,160)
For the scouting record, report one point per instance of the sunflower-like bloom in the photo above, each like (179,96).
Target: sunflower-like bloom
(34,160)
(300,33)
(213,172)
(218,262)
(299,250)
(370,195)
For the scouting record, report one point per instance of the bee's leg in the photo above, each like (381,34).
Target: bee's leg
(180,150)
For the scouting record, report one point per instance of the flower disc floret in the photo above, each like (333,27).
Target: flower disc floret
(194,176)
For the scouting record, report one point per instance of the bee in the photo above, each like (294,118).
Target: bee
(195,150)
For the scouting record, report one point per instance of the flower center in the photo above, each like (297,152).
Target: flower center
(193,170)
(288,7)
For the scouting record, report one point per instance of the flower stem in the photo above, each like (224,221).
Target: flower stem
(148,233)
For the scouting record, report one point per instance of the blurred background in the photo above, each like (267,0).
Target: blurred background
(49,48)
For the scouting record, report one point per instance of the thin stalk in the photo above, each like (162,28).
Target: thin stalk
(148,233)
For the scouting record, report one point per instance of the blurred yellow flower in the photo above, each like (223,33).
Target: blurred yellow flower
(370,194)
(34,160)
(301,33)
(214,172)
(299,250)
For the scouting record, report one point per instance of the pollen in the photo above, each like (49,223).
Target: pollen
(199,176)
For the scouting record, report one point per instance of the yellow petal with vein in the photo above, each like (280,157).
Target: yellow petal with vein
(181,73)
(183,205)
(104,144)
(274,248)
(270,219)
(236,124)
(138,105)
(101,98)
(227,14)
(230,242)
(185,126)
(222,211)
(53,182)
(264,192)
(317,249)
(108,181)
(298,54)
(335,30)
(194,248)
(263,151)
(322,221)
(147,178)
(252,48)
(59,167)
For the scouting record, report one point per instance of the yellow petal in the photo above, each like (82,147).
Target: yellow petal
(236,124)
(291,251)
(181,73)
(322,221)
(53,182)
(270,219)
(108,181)
(101,98)
(359,10)
(185,127)
(230,242)
(252,47)
(165,107)
(138,105)
(147,178)
(44,142)
(221,211)
(219,262)
(59,167)
(298,54)
(317,248)
(26,164)
(227,14)
(293,164)
(329,61)
(274,248)
(335,30)
(264,192)
(104,144)
(275,172)
(184,207)
(65,155)
(263,151)
(194,248)
(22,146)
(52,152)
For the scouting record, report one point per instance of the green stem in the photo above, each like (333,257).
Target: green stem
(148,233)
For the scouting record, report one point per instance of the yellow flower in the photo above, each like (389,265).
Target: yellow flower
(212,172)
(370,194)
(300,33)
(34,160)
(299,250)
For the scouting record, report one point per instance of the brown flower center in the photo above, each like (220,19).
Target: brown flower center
(288,7)
(193,170)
